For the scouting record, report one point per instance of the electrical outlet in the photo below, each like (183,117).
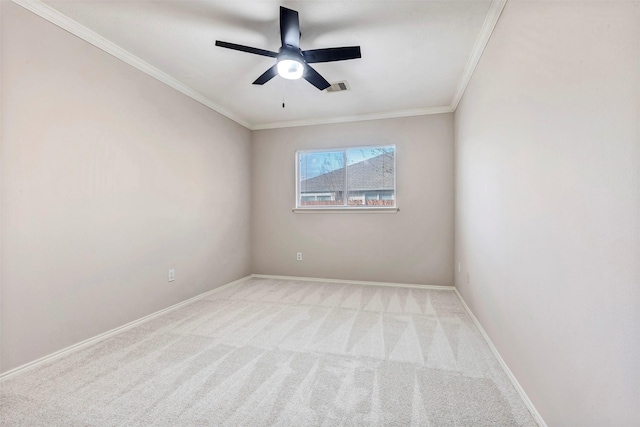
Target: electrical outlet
(459,267)
(299,256)
(172,275)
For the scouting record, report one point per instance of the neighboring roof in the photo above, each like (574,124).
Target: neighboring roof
(375,173)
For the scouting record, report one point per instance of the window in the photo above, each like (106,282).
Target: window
(357,178)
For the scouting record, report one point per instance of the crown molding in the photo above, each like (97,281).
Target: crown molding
(355,118)
(63,21)
(57,18)
(490,21)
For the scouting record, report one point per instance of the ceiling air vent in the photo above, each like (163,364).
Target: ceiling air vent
(338,87)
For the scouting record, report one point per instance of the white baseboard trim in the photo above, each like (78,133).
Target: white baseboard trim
(60,353)
(112,332)
(534,412)
(354,282)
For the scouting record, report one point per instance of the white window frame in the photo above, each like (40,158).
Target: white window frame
(345,208)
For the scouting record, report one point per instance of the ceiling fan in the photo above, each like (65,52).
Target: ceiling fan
(292,62)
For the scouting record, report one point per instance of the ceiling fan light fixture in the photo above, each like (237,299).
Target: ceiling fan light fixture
(291,61)
(290,69)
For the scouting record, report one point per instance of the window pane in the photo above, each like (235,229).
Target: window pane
(321,178)
(371,176)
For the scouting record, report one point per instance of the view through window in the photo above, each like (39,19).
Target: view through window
(369,181)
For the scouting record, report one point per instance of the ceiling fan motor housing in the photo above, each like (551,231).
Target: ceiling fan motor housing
(292,53)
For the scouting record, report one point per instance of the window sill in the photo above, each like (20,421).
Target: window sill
(373,209)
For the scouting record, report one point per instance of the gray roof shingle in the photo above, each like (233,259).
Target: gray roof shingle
(376,173)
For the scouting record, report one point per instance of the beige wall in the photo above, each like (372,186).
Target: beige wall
(548,205)
(109,178)
(414,245)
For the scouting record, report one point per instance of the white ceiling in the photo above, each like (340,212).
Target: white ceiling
(417,56)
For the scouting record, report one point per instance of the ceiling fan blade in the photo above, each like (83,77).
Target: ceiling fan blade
(289,27)
(248,49)
(331,54)
(267,75)
(313,77)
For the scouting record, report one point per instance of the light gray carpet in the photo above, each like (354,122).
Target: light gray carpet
(275,352)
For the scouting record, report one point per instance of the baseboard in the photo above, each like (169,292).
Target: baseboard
(494,350)
(355,282)
(512,378)
(112,332)
(105,335)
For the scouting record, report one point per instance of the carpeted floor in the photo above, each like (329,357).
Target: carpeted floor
(275,352)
